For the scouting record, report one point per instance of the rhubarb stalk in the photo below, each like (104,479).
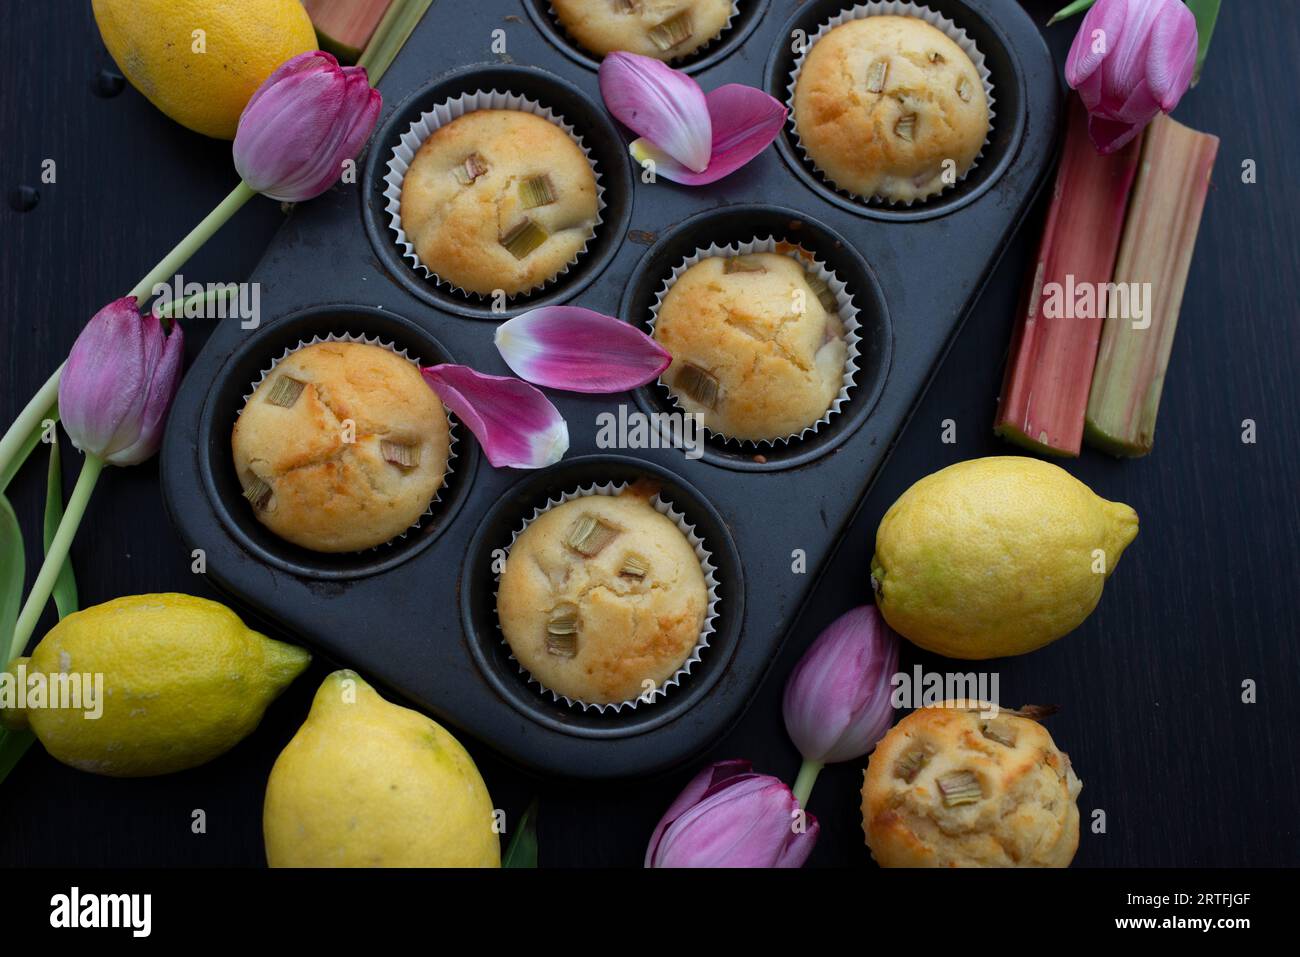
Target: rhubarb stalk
(1054,346)
(1156,256)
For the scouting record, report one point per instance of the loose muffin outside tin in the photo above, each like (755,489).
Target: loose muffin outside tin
(404,620)
(216,463)
(599,136)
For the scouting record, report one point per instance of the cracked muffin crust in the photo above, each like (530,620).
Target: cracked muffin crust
(316,481)
(664,29)
(950,788)
(600,595)
(755,349)
(499,199)
(886,105)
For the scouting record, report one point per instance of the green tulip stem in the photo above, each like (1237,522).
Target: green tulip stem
(29,419)
(188,246)
(59,545)
(44,400)
(803,784)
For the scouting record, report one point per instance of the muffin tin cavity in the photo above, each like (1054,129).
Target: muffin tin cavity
(479,585)
(738,225)
(226,398)
(598,136)
(1004,138)
(748,13)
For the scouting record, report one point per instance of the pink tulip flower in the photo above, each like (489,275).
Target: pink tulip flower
(1131,59)
(121,377)
(728,816)
(302,124)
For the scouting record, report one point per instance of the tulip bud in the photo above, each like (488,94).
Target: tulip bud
(1131,60)
(304,121)
(729,816)
(836,702)
(119,382)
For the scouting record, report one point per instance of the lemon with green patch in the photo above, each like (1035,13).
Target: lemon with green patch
(367,783)
(163,683)
(996,556)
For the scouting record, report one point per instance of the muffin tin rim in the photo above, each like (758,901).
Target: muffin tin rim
(996,166)
(589,267)
(207,466)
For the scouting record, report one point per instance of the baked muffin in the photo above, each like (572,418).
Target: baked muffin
(883,102)
(949,788)
(322,484)
(664,29)
(600,595)
(757,344)
(499,199)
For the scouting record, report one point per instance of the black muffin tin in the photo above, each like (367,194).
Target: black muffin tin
(418,614)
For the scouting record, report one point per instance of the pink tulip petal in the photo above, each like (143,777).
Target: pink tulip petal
(168,351)
(745,122)
(745,821)
(706,781)
(1172,57)
(659,103)
(566,347)
(515,424)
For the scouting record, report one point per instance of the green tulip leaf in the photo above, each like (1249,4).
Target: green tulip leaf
(13,745)
(1207,16)
(522,851)
(65,586)
(12,569)
(1072,10)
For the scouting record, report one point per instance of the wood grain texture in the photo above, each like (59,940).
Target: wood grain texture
(1150,686)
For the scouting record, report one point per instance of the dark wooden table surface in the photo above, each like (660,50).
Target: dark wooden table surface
(1186,773)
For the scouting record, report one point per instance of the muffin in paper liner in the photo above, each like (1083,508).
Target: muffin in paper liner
(705,556)
(442,114)
(897,8)
(452,437)
(697,52)
(847,312)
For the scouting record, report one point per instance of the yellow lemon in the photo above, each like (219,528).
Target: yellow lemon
(149,684)
(199,61)
(996,556)
(367,783)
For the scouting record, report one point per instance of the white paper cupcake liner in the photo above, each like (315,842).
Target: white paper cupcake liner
(442,114)
(698,51)
(897,8)
(846,310)
(452,438)
(710,581)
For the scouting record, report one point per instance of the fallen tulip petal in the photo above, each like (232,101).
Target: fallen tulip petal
(661,104)
(517,426)
(567,347)
(745,121)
